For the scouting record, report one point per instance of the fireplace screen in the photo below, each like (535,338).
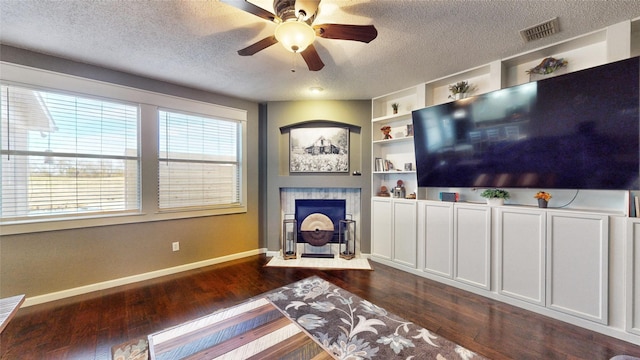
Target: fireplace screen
(319,220)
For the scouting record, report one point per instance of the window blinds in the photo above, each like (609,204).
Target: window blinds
(65,155)
(199,162)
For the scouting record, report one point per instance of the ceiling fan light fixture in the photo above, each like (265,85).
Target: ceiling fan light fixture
(295,35)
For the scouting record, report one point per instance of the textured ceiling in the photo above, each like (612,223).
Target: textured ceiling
(194,43)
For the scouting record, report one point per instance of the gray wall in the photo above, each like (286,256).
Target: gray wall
(279,116)
(45,262)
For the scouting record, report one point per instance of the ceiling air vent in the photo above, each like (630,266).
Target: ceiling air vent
(540,31)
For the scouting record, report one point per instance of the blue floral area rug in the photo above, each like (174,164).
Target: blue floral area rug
(352,328)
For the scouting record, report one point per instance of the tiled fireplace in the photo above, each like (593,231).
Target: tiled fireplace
(351,197)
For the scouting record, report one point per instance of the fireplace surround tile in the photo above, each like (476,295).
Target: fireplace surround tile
(351,196)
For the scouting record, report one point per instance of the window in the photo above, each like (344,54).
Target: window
(65,155)
(77,152)
(199,161)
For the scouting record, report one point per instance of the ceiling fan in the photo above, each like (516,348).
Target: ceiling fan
(294,19)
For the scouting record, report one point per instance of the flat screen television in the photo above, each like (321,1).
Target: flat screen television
(575,131)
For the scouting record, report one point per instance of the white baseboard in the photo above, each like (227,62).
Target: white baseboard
(135,278)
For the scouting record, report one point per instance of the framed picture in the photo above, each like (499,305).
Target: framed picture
(409,131)
(319,150)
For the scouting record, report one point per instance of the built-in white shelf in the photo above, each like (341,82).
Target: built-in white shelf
(391,118)
(394,140)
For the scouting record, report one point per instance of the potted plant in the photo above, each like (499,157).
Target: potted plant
(543,198)
(495,197)
(394,106)
(459,90)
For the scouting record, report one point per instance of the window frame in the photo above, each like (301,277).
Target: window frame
(80,155)
(238,162)
(149,104)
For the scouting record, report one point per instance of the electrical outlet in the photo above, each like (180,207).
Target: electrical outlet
(175,246)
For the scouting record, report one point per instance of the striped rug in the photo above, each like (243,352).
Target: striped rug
(253,330)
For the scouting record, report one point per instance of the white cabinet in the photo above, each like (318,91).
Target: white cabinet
(472,245)
(520,238)
(554,260)
(393,221)
(394,230)
(435,233)
(455,241)
(381,217)
(404,232)
(557,259)
(577,264)
(633,276)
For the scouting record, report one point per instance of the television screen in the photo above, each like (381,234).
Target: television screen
(575,131)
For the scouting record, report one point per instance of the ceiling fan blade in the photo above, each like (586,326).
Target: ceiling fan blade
(311,57)
(260,45)
(251,8)
(364,33)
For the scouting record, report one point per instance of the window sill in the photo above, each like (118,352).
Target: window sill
(38,225)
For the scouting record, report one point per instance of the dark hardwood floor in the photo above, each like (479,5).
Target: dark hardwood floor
(87,326)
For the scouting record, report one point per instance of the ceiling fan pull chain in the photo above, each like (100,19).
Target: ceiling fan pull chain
(293,62)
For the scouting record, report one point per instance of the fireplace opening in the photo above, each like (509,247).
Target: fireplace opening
(294,208)
(319,219)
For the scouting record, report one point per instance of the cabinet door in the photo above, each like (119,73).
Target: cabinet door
(404,232)
(472,245)
(577,264)
(633,276)
(381,217)
(521,254)
(436,224)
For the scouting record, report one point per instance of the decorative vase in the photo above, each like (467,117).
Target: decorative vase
(459,96)
(542,203)
(495,201)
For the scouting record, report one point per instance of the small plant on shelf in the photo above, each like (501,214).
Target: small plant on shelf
(459,90)
(495,197)
(394,106)
(495,194)
(543,198)
(541,195)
